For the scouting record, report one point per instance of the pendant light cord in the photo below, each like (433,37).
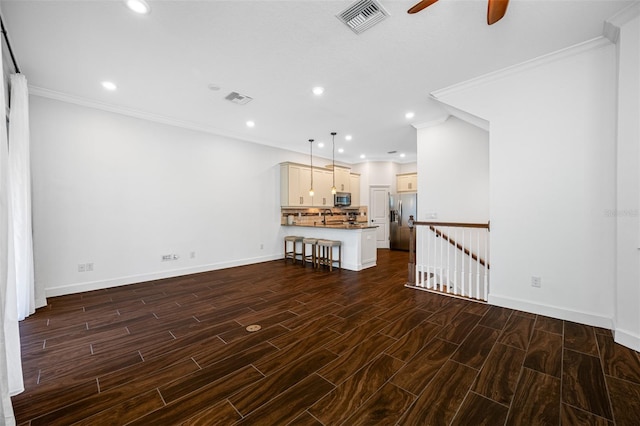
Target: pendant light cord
(6,39)
(333,158)
(311,160)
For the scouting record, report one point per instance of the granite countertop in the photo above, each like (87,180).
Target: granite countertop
(361,225)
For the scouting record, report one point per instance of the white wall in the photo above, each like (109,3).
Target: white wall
(120,192)
(627,211)
(552,178)
(454,172)
(375,173)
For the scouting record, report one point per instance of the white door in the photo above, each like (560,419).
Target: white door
(379,214)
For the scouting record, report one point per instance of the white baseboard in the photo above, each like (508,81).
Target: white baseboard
(627,338)
(552,311)
(132,279)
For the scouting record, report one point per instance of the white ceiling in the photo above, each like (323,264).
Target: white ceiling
(275,52)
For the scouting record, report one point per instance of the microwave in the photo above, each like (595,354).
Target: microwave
(342,199)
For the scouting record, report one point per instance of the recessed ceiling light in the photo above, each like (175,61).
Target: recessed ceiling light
(251,124)
(318,90)
(109,85)
(410,115)
(348,137)
(362,156)
(138,6)
(340,150)
(403,155)
(320,145)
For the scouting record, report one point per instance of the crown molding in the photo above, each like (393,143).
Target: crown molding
(570,51)
(129,112)
(612,25)
(431,123)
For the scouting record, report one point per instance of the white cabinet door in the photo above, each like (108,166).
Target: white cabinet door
(343,179)
(295,181)
(407,182)
(355,190)
(322,181)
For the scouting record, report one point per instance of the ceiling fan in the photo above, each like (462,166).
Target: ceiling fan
(495,11)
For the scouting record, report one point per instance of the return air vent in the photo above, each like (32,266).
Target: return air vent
(237,98)
(362,15)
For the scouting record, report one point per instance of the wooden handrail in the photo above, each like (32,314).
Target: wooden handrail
(455,224)
(459,246)
(411,279)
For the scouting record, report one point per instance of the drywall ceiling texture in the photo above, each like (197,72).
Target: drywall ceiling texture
(275,52)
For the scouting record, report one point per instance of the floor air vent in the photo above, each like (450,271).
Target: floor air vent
(237,98)
(362,15)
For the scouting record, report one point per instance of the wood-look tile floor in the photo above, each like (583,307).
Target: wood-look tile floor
(335,348)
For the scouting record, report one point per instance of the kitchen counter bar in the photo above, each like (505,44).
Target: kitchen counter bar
(358,241)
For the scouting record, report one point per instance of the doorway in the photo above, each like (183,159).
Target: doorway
(379,213)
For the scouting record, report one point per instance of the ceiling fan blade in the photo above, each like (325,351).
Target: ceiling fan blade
(419,6)
(496,10)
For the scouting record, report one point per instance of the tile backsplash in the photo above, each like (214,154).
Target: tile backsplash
(312,215)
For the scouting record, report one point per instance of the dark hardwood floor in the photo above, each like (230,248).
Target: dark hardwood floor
(335,348)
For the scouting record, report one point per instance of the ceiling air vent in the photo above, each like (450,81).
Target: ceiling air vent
(362,15)
(237,98)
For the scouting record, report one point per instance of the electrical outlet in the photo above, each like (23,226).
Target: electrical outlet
(261,246)
(536,282)
(82,267)
(166,257)
(193,255)
(88,267)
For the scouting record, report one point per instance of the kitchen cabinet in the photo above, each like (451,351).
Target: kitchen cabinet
(343,179)
(295,181)
(354,182)
(322,181)
(407,182)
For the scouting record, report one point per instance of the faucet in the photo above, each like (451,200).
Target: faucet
(324,215)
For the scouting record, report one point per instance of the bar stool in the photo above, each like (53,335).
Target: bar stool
(325,253)
(292,254)
(313,257)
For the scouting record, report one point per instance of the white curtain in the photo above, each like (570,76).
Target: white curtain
(20,201)
(9,335)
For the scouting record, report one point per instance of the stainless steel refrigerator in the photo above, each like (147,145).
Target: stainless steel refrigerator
(401,207)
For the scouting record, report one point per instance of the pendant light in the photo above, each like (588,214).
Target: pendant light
(311,160)
(333,136)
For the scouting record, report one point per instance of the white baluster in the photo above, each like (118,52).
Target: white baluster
(455,263)
(448,259)
(470,265)
(486,265)
(478,263)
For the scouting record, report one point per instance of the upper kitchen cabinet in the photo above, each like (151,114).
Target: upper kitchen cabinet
(407,182)
(354,182)
(322,181)
(343,179)
(295,181)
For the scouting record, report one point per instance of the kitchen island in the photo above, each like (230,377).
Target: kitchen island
(358,241)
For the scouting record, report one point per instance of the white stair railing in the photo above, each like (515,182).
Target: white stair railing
(451,258)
